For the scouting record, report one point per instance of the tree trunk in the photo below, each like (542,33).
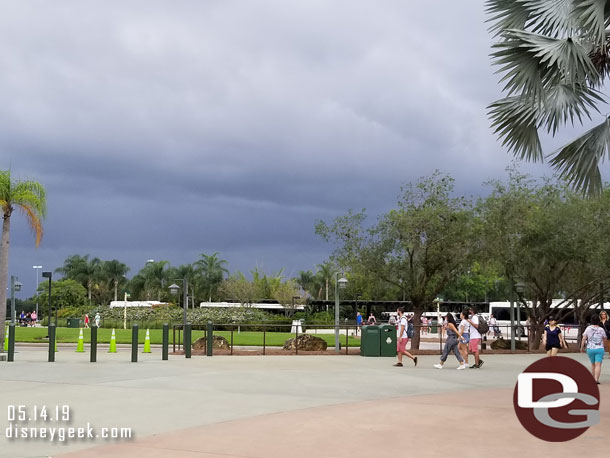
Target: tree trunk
(116,290)
(416,328)
(4,246)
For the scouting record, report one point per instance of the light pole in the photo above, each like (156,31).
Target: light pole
(48,275)
(519,288)
(37,276)
(15,286)
(173,289)
(340,283)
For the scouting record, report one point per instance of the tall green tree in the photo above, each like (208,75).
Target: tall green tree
(554,57)
(83,270)
(418,247)
(29,198)
(212,271)
(114,273)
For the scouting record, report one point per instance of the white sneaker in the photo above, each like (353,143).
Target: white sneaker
(461,368)
(438,366)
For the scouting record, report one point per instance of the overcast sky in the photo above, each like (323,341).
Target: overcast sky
(162,130)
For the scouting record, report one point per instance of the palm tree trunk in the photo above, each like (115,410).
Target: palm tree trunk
(4,245)
(116,290)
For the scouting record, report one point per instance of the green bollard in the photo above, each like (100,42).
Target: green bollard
(134,343)
(93,357)
(11,342)
(210,339)
(164,351)
(187,340)
(52,343)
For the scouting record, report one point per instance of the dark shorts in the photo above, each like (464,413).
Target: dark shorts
(548,347)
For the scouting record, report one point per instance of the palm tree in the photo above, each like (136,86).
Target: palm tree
(325,274)
(30,198)
(114,272)
(555,56)
(307,281)
(185,271)
(212,270)
(82,270)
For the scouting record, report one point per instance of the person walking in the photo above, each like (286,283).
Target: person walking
(358,322)
(98,320)
(464,328)
(372,320)
(475,338)
(86,320)
(553,338)
(451,345)
(34,318)
(605,323)
(403,338)
(595,340)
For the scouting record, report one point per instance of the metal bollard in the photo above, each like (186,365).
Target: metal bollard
(165,349)
(187,340)
(51,342)
(93,357)
(134,343)
(210,339)
(11,342)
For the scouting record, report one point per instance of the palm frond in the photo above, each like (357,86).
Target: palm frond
(533,62)
(551,17)
(33,220)
(507,14)
(591,18)
(515,120)
(578,161)
(564,103)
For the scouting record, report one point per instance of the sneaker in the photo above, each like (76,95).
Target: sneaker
(415,361)
(474,366)
(438,366)
(462,367)
(481,362)
(398,365)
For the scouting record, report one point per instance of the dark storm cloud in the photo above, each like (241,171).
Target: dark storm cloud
(167,131)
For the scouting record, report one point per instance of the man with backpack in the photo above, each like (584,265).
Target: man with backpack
(403,338)
(477,326)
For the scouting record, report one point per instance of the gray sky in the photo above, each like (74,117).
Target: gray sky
(162,130)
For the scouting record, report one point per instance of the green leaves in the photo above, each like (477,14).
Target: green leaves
(553,56)
(578,161)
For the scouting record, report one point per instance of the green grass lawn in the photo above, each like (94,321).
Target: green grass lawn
(70,335)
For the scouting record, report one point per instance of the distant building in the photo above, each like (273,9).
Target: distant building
(150,304)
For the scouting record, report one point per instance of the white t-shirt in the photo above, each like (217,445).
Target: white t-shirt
(474,332)
(403,322)
(595,337)
(464,327)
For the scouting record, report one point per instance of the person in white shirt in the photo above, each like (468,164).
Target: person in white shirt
(464,328)
(475,338)
(403,338)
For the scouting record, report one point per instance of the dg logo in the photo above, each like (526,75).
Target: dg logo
(556,399)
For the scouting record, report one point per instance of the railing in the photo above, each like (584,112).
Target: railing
(232,328)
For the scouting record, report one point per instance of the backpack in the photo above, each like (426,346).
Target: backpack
(483,326)
(410,331)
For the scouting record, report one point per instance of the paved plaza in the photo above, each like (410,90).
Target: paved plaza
(277,406)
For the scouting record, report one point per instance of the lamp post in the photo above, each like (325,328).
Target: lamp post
(37,276)
(15,286)
(48,275)
(519,288)
(340,283)
(173,289)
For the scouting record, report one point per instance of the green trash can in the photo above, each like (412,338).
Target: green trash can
(387,340)
(433,324)
(73,322)
(370,343)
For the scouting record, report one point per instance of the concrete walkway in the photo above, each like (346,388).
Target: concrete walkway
(275,406)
